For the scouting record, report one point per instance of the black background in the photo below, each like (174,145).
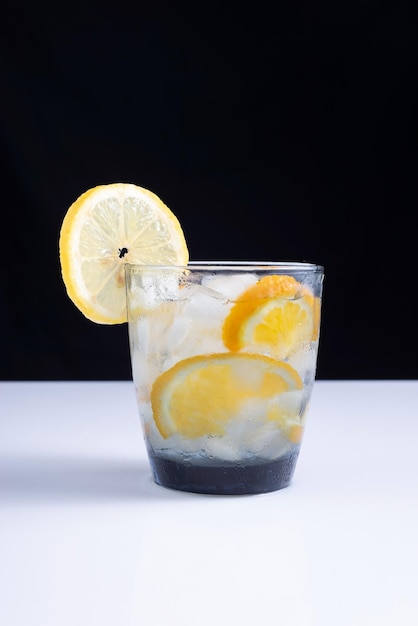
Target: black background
(274,131)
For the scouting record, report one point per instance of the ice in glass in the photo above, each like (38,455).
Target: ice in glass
(223,361)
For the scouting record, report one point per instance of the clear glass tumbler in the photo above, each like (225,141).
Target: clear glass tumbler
(223,361)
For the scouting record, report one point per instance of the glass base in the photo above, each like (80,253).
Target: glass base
(226,479)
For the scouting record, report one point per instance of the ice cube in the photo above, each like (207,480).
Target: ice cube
(159,286)
(229,286)
(196,326)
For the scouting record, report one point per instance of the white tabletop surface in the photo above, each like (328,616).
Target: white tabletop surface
(86,537)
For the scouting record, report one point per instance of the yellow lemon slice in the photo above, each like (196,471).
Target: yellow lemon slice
(277,313)
(201,395)
(106,227)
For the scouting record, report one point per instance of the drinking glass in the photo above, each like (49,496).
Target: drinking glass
(223,359)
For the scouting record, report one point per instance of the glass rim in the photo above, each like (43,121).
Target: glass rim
(228,265)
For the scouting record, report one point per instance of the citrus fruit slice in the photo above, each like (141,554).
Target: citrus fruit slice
(202,394)
(106,227)
(277,314)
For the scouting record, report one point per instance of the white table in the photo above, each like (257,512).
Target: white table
(87,539)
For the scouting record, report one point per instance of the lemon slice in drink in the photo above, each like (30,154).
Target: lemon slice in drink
(202,394)
(106,227)
(276,315)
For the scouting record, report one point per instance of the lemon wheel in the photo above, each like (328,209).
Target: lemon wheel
(106,227)
(201,395)
(276,315)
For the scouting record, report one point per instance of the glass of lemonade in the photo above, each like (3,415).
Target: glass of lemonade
(223,361)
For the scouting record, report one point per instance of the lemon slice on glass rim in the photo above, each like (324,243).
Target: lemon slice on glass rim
(105,228)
